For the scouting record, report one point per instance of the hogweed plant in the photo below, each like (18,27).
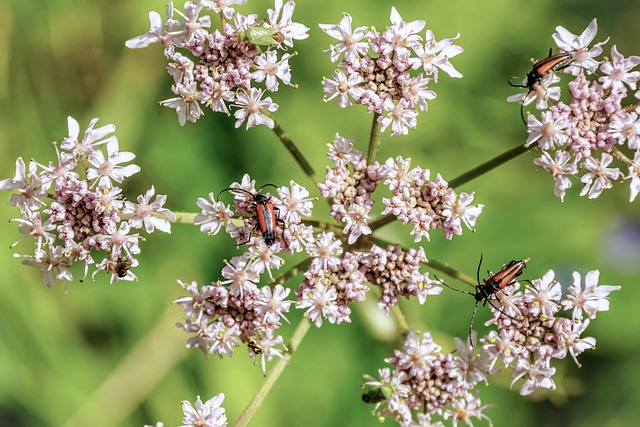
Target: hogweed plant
(74,209)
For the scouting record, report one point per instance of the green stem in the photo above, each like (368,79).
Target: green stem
(374,139)
(293,149)
(401,321)
(273,374)
(184,217)
(488,166)
(381,222)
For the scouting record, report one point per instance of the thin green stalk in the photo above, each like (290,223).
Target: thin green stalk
(273,374)
(401,321)
(488,166)
(381,221)
(293,149)
(374,139)
(184,217)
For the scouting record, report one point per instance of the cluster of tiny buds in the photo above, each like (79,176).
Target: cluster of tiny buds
(584,136)
(74,210)
(222,68)
(376,69)
(426,204)
(425,384)
(202,414)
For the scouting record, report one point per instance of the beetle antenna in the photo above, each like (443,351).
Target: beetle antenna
(268,185)
(451,287)
(478,272)
(473,316)
(232,189)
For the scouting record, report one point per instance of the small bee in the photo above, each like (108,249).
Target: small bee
(119,267)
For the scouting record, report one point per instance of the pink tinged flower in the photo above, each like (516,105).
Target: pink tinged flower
(284,24)
(467,366)
(215,95)
(223,6)
(504,346)
(214,215)
(559,167)
(61,172)
(325,250)
(400,117)
(320,303)
(197,304)
(186,104)
(343,88)
(270,68)
(268,350)
(154,35)
(31,225)
(192,23)
(297,237)
(401,34)
(578,46)
(107,170)
(626,128)
(396,171)
(214,338)
(295,203)
(54,264)
(577,345)
(536,376)
(591,299)
(91,139)
(435,55)
(239,275)
(462,210)
(142,213)
(181,67)
(549,132)
(619,72)
(464,408)
(250,105)
(265,258)
(29,186)
(418,354)
(119,239)
(273,304)
(208,414)
(357,222)
(350,42)
(599,176)
(634,176)
(416,89)
(542,294)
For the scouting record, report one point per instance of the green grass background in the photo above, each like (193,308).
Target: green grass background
(103,355)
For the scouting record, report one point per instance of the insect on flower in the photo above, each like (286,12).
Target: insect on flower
(120,266)
(496,282)
(266,214)
(545,66)
(551,63)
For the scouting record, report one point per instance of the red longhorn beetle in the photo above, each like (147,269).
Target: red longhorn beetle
(266,213)
(541,68)
(495,282)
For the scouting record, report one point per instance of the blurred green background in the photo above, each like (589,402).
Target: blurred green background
(104,355)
